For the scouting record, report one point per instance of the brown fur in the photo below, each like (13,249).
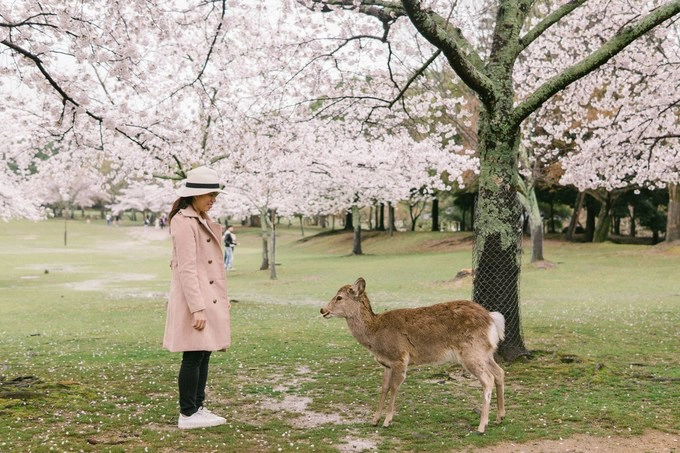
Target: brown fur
(460,330)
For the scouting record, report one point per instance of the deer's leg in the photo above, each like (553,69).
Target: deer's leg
(383,394)
(480,370)
(397,377)
(499,378)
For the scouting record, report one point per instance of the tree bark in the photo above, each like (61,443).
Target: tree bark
(673,217)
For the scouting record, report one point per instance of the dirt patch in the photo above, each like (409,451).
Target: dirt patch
(356,445)
(651,441)
(448,244)
(543,265)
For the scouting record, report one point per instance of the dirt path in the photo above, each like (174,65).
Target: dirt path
(651,441)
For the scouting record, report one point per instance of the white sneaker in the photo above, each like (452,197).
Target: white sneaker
(209,415)
(197,420)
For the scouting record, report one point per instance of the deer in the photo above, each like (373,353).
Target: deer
(459,330)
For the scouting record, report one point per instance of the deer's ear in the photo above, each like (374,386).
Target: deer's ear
(359,286)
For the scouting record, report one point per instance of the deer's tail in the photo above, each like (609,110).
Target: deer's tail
(497,328)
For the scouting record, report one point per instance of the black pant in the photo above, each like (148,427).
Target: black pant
(193,375)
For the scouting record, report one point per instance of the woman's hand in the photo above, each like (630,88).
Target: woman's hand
(199,320)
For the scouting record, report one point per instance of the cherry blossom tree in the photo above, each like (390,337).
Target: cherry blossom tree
(504,103)
(143,197)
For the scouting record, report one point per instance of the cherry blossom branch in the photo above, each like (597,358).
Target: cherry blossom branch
(384,11)
(549,21)
(458,51)
(613,46)
(400,95)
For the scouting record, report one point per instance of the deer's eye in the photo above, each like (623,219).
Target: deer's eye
(338,298)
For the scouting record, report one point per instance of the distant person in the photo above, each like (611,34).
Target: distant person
(229,244)
(198,319)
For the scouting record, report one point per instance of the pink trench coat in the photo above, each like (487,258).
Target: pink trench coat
(198,283)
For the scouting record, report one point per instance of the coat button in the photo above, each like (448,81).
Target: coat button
(209,261)
(208,239)
(214,301)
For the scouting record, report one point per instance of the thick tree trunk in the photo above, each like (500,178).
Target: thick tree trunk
(356,220)
(673,218)
(497,231)
(381,223)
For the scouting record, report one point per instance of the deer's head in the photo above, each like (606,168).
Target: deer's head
(348,301)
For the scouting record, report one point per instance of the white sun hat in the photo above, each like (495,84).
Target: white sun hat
(200,180)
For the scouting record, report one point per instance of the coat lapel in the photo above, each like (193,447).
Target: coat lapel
(209,225)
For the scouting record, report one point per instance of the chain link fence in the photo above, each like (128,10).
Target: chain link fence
(496,276)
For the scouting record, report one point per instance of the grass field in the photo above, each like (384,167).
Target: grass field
(82,369)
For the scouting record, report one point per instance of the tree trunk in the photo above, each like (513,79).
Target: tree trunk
(265,240)
(604,221)
(381,223)
(573,223)
(590,221)
(551,224)
(633,227)
(673,217)
(435,214)
(497,229)
(272,245)
(530,203)
(356,242)
(390,218)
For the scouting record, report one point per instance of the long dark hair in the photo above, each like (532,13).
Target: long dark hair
(180,203)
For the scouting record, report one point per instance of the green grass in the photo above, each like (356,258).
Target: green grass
(82,369)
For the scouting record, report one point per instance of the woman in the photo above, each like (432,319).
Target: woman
(198,319)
